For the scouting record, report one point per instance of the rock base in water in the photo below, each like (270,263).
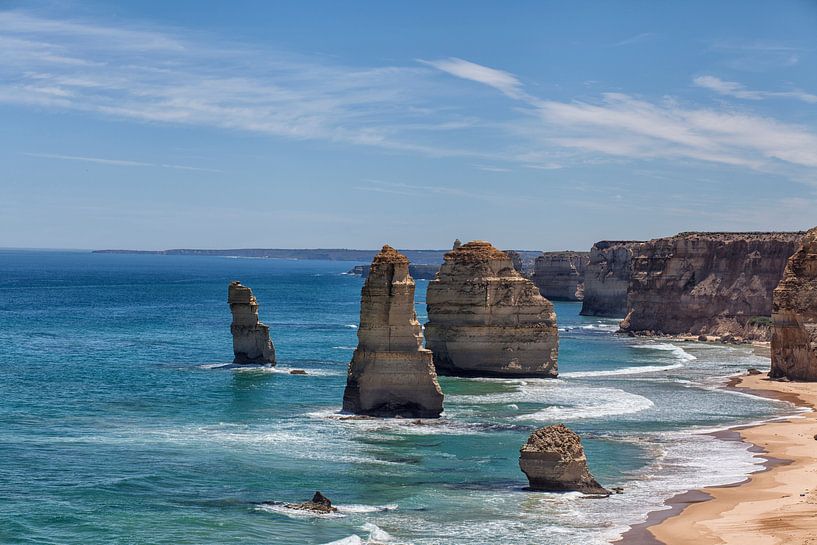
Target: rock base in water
(318,504)
(554,461)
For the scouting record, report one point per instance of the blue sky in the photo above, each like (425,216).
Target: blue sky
(537,125)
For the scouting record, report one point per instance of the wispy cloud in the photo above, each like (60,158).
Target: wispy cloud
(498,79)
(118,162)
(738,90)
(638,38)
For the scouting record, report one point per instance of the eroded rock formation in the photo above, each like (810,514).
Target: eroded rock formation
(607,278)
(251,342)
(390,373)
(560,275)
(794,317)
(553,460)
(487,320)
(707,284)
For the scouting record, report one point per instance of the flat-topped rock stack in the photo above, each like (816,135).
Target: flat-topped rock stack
(708,284)
(553,459)
(251,341)
(486,320)
(794,317)
(560,275)
(607,278)
(390,373)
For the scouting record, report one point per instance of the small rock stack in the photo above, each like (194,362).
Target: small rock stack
(553,460)
(487,320)
(794,315)
(251,342)
(390,373)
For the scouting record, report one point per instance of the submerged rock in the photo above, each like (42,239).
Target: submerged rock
(607,278)
(553,460)
(487,320)
(716,284)
(794,318)
(319,504)
(390,373)
(251,342)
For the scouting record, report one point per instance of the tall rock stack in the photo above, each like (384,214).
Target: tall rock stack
(487,320)
(708,284)
(560,275)
(608,277)
(251,342)
(390,373)
(794,317)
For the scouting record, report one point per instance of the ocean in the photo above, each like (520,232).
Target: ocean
(121,422)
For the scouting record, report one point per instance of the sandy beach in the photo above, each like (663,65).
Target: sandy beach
(772,507)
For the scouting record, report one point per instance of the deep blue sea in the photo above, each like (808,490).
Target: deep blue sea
(119,425)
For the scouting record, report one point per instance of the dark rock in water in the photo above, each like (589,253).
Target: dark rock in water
(703,338)
(251,341)
(753,371)
(297,372)
(319,504)
(618,489)
(553,460)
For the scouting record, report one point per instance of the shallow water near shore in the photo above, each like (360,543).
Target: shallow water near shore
(121,419)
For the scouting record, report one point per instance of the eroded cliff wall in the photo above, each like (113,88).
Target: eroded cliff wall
(560,276)
(794,318)
(707,283)
(607,278)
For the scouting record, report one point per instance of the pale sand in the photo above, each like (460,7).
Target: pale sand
(777,506)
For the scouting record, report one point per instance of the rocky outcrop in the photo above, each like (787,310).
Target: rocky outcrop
(251,342)
(390,373)
(318,504)
(553,460)
(794,316)
(487,320)
(560,275)
(707,284)
(608,277)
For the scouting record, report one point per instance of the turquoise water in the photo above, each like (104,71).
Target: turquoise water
(119,425)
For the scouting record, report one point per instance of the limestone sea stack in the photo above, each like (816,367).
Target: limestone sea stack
(390,373)
(251,342)
(553,460)
(560,275)
(708,284)
(794,316)
(486,320)
(607,278)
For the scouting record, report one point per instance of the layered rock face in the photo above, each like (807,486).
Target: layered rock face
(251,342)
(390,373)
(794,317)
(608,277)
(560,275)
(553,460)
(487,320)
(708,283)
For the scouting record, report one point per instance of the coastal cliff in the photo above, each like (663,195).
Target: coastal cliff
(607,278)
(390,373)
(560,276)
(794,316)
(251,342)
(486,319)
(707,284)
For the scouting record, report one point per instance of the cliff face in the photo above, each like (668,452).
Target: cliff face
(560,276)
(390,373)
(251,342)
(708,283)
(608,277)
(794,318)
(486,319)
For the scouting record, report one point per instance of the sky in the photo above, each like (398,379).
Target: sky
(536,125)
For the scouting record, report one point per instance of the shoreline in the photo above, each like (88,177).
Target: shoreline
(775,505)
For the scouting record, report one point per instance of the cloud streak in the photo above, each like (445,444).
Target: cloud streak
(118,162)
(738,90)
(498,79)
